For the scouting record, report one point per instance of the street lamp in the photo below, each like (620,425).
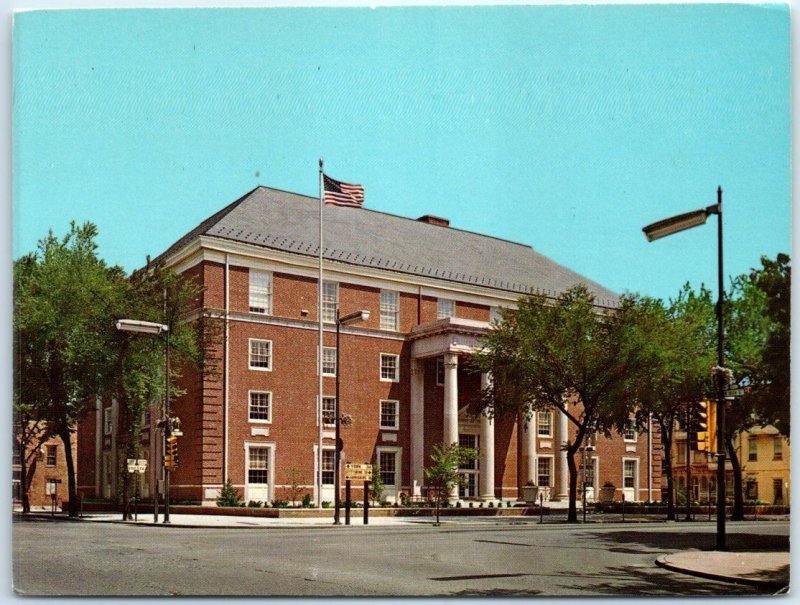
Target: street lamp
(149,327)
(667,227)
(350,318)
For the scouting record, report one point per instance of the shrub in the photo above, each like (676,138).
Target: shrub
(326,504)
(471,504)
(307,501)
(458,504)
(229,496)
(509,504)
(254,504)
(491,504)
(280,503)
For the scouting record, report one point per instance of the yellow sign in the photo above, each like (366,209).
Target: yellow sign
(358,472)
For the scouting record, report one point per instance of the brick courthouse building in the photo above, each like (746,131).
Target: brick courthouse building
(405,381)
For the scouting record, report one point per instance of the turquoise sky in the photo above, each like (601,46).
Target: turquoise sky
(567,128)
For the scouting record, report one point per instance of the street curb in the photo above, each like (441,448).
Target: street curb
(662,562)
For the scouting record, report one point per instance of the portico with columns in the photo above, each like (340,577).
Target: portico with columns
(444,408)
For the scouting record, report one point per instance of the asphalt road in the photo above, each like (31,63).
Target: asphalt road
(489,559)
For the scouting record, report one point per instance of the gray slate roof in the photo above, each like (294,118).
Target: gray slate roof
(359,236)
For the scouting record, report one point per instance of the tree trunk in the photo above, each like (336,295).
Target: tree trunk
(572,512)
(738,495)
(72,488)
(666,462)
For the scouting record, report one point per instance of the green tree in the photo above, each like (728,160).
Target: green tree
(442,475)
(677,350)
(63,301)
(569,356)
(376,485)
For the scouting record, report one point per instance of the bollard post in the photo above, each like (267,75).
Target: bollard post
(366,502)
(347,502)
(623,507)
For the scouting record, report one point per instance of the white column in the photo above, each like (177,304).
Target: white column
(529,448)
(417,426)
(487,448)
(451,404)
(563,437)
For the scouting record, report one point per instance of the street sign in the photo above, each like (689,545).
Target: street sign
(358,472)
(734,392)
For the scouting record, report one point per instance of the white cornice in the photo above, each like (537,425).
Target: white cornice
(212,249)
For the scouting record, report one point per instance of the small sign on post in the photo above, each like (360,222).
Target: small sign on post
(358,472)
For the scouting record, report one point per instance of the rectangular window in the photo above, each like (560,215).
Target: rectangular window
(439,371)
(543,466)
(330,301)
(387,462)
(107,421)
(260,354)
(777,447)
(681,447)
(390,367)
(260,406)
(329,411)
(545,424)
(752,449)
(258,466)
(51,455)
(445,308)
(629,473)
(470,441)
(390,310)
(390,415)
(777,490)
(751,489)
(260,291)
(328,361)
(328,466)
(629,432)
(588,472)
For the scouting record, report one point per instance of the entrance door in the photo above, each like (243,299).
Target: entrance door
(469,470)
(258,473)
(630,479)
(328,475)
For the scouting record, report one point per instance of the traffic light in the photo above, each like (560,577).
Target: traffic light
(698,426)
(171,454)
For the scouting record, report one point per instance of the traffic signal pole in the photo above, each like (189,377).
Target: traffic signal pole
(720,386)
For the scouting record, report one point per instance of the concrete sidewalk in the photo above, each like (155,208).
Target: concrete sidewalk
(762,569)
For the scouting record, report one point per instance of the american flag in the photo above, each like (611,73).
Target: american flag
(342,194)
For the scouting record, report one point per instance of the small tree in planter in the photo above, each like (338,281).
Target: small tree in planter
(229,496)
(295,479)
(376,485)
(443,475)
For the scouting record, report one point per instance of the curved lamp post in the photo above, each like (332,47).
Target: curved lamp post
(667,227)
(349,319)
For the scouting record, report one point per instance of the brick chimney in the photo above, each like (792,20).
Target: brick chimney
(434,220)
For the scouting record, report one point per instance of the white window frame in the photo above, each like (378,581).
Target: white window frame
(331,351)
(539,432)
(442,305)
(635,487)
(440,371)
(752,449)
(551,469)
(270,446)
(260,294)
(322,466)
(332,423)
(777,447)
(108,424)
(398,467)
(250,342)
(390,310)
(630,429)
(250,394)
(330,304)
(51,449)
(396,425)
(396,368)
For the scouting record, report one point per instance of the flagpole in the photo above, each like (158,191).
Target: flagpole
(319,349)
